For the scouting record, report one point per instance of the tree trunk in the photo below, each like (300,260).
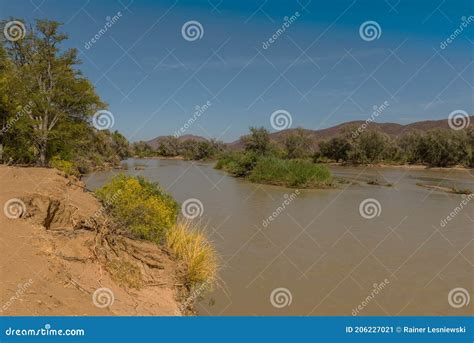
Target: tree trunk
(42,149)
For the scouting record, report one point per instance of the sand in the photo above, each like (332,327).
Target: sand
(51,263)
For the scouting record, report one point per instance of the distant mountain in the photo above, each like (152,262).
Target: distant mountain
(155,142)
(391,129)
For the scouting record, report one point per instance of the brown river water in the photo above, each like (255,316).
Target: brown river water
(330,252)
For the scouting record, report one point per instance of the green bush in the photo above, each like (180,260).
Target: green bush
(238,163)
(139,206)
(291,173)
(69,168)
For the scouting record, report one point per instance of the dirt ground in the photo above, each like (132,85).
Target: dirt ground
(52,263)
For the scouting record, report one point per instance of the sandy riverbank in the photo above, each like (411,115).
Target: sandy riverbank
(54,262)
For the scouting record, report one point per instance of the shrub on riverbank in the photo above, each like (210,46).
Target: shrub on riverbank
(237,163)
(144,210)
(188,241)
(139,206)
(275,171)
(292,173)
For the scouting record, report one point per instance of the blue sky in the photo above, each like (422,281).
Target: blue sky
(319,69)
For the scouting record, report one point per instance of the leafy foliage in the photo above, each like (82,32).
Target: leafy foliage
(436,148)
(139,206)
(298,145)
(46,105)
(292,173)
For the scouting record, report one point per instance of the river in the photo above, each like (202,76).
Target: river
(321,253)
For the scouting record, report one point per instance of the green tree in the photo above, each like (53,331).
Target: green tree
(258,141)
(336,148)
(445,148)
(298,144)
(50,81)
(169,146)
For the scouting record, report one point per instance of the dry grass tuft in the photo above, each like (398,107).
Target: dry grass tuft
(190,245)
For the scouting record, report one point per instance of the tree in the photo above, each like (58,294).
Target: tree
(169,146)
(336,148)
(258,141)
(142,149)
(371,147)
(298,144)
(49,80)
(446,148)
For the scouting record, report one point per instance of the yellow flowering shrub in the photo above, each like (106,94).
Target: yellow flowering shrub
(139,206)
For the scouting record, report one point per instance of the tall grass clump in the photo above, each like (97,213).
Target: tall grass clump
(140,207)
(190,245)
(290,173)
